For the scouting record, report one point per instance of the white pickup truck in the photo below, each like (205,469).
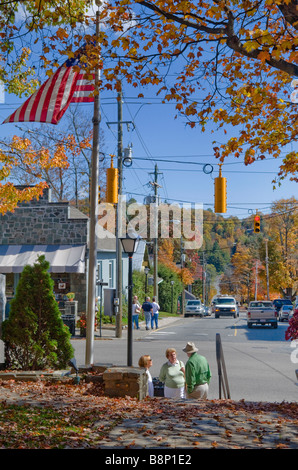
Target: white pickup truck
(261,312)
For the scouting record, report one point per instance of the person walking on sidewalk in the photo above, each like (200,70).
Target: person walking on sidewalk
(172,375)
(136,308)
(155,310)
(197,373)
(147,309)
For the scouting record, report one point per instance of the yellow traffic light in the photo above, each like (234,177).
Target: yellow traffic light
(257,224)
(112,184)
(220,196)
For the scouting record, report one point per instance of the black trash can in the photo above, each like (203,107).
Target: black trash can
(70,321)
(158,387)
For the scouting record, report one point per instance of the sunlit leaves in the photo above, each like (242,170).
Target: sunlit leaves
(228,62)
(20,153)
(236,56)
(68,416)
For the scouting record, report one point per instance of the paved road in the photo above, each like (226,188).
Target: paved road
(258,361)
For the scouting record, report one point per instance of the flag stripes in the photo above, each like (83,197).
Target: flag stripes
(49,103)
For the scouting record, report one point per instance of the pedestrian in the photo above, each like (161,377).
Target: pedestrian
(197,373)
(172,375)
(155,310)
(136,309)
(146,362)
(147,309)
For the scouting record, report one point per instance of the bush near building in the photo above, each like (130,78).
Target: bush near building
(34,335)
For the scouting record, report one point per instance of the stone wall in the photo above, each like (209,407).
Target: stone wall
(41,222)
(125,381)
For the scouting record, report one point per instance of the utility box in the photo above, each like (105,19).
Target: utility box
(109,295)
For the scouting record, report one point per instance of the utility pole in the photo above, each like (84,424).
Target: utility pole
(204,280)
(155,244)
(89,352)
(267,269)
(118,221)
(119,215)
(182,255)
(256,281)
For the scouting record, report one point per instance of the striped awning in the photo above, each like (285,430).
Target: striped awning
(62,258)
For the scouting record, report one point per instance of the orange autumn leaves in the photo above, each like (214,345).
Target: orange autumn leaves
(166,257)
(19,152)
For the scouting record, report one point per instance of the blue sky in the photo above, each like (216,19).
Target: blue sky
(157,137)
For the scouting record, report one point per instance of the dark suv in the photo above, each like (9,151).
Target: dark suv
(278,303)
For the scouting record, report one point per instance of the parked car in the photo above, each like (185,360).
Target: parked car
(193,307)
(206,310)
(278,303)
(285,312)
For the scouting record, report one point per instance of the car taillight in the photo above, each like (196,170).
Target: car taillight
(248,314)
(275,313)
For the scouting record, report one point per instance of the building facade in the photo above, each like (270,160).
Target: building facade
(60,233)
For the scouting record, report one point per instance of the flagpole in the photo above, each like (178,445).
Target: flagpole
(89,359)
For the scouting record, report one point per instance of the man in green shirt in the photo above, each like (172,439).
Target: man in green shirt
(197,373)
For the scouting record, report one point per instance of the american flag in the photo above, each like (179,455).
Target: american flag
(48,104)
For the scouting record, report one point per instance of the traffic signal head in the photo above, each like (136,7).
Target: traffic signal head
(257,224)
(220,196)
(112,184)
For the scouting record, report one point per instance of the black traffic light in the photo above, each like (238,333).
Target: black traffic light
(257,224)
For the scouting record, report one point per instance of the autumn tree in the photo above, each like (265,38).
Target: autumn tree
(26,26)
(230,62)
(283,232)
(233,63)
(72,143)
(20,152)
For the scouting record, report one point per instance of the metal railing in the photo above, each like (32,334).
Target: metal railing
(222,372)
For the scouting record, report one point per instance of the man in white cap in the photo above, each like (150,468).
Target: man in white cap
(197,373)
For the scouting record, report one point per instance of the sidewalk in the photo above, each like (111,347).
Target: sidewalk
(109,331)
(160,423)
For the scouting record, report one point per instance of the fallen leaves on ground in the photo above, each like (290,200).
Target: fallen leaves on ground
(63,415)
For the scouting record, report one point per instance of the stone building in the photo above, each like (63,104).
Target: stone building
(60,232)
(55,229)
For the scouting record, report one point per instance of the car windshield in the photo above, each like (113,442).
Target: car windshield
(260,304)
(280,302)
(287,307)
(194,302)
(225,301)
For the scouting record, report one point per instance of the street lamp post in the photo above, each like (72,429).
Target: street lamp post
(146,270)
(172,284)
(129,245)
(100,283)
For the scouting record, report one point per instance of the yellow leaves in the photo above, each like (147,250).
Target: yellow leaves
(36,163)
(10,197)
(251,45)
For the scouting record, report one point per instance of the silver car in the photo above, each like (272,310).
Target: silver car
(193,307)
(285,312)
